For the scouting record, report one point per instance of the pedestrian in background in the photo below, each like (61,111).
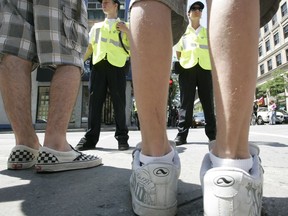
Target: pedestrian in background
(255,107)
(232,171)
(108,59)
(272,112)
(193,54)
(28,40)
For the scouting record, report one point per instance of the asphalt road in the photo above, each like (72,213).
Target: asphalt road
(104,191)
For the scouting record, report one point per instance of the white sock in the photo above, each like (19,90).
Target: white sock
(144,159)
(244,164)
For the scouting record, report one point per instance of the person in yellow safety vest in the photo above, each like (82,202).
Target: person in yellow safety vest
(193,54)
(109,47)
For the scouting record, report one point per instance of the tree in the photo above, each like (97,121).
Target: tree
(275,86)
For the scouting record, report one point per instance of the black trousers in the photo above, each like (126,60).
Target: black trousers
(104,76)
(189,79)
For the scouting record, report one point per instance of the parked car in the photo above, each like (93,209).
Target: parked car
(285,114)
(263,116)
(41,121)
(198,120)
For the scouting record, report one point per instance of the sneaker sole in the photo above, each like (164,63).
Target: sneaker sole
(58,167)
(20,166)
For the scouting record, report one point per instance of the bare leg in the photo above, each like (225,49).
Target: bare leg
(233,42)
(151,51)
(15,86)
(63,93)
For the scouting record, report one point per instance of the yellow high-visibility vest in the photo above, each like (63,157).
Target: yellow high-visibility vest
(194,49)
(106,45)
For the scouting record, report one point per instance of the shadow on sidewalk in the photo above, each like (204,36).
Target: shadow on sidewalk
(101,191)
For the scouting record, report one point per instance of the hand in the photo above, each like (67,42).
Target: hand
(121,26)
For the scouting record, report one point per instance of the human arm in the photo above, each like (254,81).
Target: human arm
(178,55)
(89,52)
(124,31)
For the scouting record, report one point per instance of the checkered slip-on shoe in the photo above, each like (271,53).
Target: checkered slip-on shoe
(50,160)
(22,157)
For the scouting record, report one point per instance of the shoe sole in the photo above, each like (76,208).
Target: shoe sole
(123,148)
(59,167)
(20,166)
(180,143)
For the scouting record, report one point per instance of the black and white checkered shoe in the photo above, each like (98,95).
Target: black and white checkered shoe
(22,157)
(50,160)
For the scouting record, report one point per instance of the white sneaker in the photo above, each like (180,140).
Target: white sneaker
(231,191)
(153,186)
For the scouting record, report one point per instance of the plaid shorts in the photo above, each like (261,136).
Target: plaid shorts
(179,19)
(45,32)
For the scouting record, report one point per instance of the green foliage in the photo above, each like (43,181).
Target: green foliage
(275,86)
(174,96)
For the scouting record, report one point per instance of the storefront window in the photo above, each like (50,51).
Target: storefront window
(85,103)
(43,105)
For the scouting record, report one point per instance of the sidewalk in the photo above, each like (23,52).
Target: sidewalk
(104,190)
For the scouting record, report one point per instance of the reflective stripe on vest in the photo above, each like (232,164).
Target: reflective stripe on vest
(199,46)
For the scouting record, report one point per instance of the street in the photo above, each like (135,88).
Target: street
(104,190)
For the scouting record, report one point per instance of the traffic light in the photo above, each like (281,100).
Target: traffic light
(170,82)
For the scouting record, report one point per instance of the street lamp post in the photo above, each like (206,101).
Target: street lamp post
(127,2)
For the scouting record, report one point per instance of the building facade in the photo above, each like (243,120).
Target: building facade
(273,50)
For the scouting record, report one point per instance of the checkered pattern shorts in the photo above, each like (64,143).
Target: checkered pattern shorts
(48,32)
(179,20)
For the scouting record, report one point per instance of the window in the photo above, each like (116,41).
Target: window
(267,44)
(266,28)
(284,9)
(260,51)
(262,69)
(278,59)
(269,64)
(276,38)
(85,104)
(286,54)
(274,20)
(285,31)
(92,5)
(96,15)
(43,104)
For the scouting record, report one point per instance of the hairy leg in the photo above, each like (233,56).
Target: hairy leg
(151,48)
(15,86)
(233,38)
(63,93)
